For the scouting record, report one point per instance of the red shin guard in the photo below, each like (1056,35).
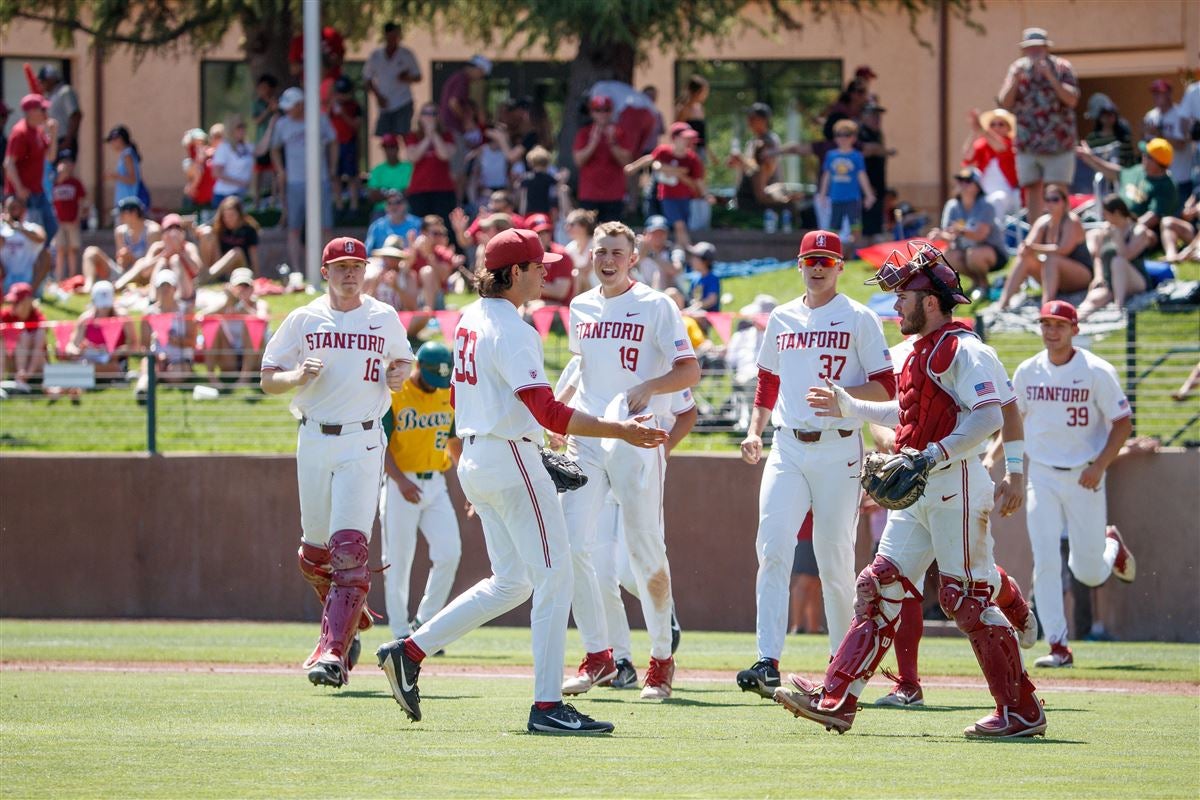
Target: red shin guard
(908,640)
(991,637)
(347,596)
(315,568)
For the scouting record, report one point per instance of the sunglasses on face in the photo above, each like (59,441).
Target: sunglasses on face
(1053,198)
(429,113)
(962,180)
(998,124)
(825,262)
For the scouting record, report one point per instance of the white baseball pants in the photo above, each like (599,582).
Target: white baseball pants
(1055,501)
(526,540)
(635,478)
(433,515)
(338,478)
(798,476)
(610,557)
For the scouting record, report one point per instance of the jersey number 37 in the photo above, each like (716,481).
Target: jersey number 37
(464,364)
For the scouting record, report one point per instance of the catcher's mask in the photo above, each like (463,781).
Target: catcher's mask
(922,268)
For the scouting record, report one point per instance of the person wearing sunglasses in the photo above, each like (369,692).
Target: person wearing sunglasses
(948,406)
(969,224)
(1054,253)
(989,148)
(814,461)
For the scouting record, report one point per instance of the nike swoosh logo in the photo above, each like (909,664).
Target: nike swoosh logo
(369,449)
(839,322)
(946,497)
(851,463)
(1077,380)
(404,684)
(632,314)
(576,725)
(374,327)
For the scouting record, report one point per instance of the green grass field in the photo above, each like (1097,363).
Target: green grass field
(85,711)
(245,420)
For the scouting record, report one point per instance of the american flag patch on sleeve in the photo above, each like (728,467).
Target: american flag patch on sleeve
(681,345)
(1123,403)
(987,387)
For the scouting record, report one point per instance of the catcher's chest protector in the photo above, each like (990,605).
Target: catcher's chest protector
(927,412)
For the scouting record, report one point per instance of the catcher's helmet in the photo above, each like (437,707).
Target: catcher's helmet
(436,363)
(921,268)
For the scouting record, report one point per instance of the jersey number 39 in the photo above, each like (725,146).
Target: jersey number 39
(464,365)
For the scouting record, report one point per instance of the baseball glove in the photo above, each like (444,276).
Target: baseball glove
(565,473)
(897,481)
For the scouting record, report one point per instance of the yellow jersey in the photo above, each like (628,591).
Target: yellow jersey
(418,426)
(695,334)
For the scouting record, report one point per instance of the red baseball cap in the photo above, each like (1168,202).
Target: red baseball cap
(601,103)
(344,248)
(820,243)
(18,292)
(1059,309)
(865,72)
(516,246)
(31,101)
(1160,86)
(682,129)
(389,140)
(538,223)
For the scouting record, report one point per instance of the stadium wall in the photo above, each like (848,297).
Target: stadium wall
(216,536)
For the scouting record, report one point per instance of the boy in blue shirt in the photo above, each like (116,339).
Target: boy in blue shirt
(844,179)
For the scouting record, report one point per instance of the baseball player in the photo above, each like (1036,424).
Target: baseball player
(503,404)
(1077,418)
(814,463)
(948,406)
(421,446)
(343,351)
(1010,496)
(610,555)
(634,354)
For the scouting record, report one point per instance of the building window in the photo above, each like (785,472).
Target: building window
(14,85)
(797,91)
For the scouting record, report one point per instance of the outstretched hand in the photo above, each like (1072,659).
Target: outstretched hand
(639,435)
(825,399)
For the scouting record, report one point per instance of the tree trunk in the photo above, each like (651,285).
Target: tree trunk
(266,42)
(592,63)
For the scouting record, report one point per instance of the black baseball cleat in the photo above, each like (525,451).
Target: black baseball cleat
(563,718)
(762,678)
(327,672)
(402,673)
(676,632)
(626,675)
(355,649)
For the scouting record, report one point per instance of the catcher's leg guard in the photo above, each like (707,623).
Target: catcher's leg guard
(992,638)
(1014,606)
(347,596)
(314,566)
(878,592)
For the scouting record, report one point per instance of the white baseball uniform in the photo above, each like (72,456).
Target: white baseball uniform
(843,341)
(339,471)
(496,355)
(623,341)
(1069,411)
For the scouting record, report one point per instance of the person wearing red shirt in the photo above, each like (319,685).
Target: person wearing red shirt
(29,352)
(680,174)
(346,115)
(989,148)
(430,148)
(68,195)
(601,153)
(333,52)
(499,202)
(32,142)
(559,286)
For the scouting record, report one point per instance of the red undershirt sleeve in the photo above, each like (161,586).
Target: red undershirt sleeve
(767,391)
(550,413)
(886,379)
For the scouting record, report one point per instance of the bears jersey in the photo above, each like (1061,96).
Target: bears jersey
(624,341)
(355,347)
(418,426)
(1068,409)
(842,340)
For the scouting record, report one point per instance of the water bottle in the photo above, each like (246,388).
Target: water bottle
(786,220)
(770,220)
(93,218)
(735,146)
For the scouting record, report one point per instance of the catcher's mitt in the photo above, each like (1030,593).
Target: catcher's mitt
(565,473)
(897,481)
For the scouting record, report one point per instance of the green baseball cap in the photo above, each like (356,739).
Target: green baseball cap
(436,363)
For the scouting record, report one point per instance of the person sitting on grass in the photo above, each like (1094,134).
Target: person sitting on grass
(1118,257)
(969,226)
(232,351)
(174,357)
(28,345)
(172,252)
(705,288)
(1183,228)
(1054,253)
(88,343)
(395,222)
(390,278)
(231,241)
(132,239)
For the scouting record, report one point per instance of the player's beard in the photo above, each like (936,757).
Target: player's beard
(914,322)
